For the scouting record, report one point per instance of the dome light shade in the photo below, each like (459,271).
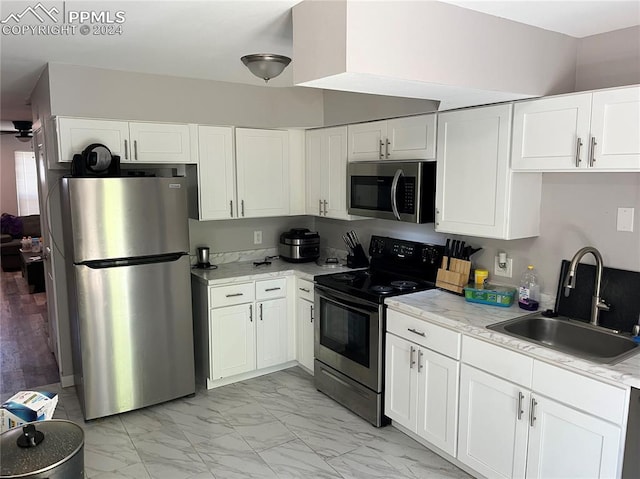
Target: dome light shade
(266,65)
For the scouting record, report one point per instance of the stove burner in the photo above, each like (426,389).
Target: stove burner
(344,277)
(381,289)
(404,284)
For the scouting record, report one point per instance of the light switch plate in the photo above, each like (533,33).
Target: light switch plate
(506,272)
(257,237)
(625,219)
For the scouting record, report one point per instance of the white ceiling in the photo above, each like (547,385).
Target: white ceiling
(205,40)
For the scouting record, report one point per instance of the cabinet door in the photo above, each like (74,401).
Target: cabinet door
(262,162)
(160,143)
(473,171)
(551,133)
(567,443)
(314,168)
(411,138)
(272,333)
(232,340)
(305,331)
(367,141)
(615,129)
(401,381)
(334,172)
(216,173)
(492,437)
(437,399)
(75,134)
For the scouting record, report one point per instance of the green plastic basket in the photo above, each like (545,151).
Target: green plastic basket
(491,294)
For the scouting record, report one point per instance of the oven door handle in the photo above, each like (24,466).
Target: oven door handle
(346,302)
(394,193)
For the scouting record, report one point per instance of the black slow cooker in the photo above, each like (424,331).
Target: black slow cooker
(299,245)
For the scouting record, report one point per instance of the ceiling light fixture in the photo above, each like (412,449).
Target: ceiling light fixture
(266,65)
(24,136)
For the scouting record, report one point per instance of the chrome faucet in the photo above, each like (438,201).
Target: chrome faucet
(597,303)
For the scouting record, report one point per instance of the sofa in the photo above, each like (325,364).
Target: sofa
(13,228)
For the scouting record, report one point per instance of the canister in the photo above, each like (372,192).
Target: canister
(481,275)
(52,449)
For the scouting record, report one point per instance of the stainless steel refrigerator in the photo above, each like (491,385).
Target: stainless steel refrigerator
(126,243)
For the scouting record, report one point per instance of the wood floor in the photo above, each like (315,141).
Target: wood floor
(25,358)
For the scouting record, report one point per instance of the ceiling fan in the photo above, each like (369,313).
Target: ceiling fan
(22,130)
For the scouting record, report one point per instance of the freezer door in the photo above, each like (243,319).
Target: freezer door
(108,218)
(134,341)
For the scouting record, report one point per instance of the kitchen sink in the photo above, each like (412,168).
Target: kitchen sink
(571,337)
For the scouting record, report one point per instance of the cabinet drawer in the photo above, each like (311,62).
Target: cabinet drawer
(304,289)
(220,296)
(498,361)
(590,395)
(272,288)
(429,335)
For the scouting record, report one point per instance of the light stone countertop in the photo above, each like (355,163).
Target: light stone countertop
(452,311)
(242,271)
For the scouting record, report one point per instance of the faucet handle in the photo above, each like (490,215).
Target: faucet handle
(602,306)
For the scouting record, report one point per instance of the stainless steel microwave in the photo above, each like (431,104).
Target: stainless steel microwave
(392,190)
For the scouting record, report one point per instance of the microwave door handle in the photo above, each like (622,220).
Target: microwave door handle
(394,193)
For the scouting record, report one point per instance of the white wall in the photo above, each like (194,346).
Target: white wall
(609,59)
(578,209)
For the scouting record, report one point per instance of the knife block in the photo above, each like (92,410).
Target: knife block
(358,259)
(456,277)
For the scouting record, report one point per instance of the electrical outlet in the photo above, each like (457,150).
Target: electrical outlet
(506,272)
(257,237)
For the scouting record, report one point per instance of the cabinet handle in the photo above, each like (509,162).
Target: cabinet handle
(242,207)
(260,311)
(411,360)
(420,354)
(305,290)
(381,145)
(592,153)
(273,289)
(126,150)
(231,208)
(135,149)
(578,146)
(532,413)
(324,202)
(520,410)
(233,295)
(251,313)
(311,320)
(414,331)
(386,148)
(320,207)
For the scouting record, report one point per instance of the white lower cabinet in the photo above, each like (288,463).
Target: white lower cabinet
(304,323)
(246,331)
(421,385)
(508,429)
(272,336)
(232,340)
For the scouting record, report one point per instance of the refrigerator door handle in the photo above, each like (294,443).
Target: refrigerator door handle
(113,263)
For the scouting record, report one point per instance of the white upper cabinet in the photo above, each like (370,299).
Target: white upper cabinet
(134,142)
(160,142)
(262,164)
(397,139)
(75,134)
(582,132)
(327,172)
(216,173)
(477,194)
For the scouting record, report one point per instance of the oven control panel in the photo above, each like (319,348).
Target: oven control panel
(396,249)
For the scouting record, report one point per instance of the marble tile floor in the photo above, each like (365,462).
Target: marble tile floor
(274,426)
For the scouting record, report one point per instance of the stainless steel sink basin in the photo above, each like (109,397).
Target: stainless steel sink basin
(571,337)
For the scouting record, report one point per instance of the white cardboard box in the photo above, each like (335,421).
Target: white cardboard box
(27,406)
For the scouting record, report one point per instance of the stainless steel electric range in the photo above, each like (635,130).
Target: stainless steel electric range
(349,331)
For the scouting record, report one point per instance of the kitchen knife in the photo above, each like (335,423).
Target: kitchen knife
(461,250)
(454,248)
(355,235)
(447,252)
